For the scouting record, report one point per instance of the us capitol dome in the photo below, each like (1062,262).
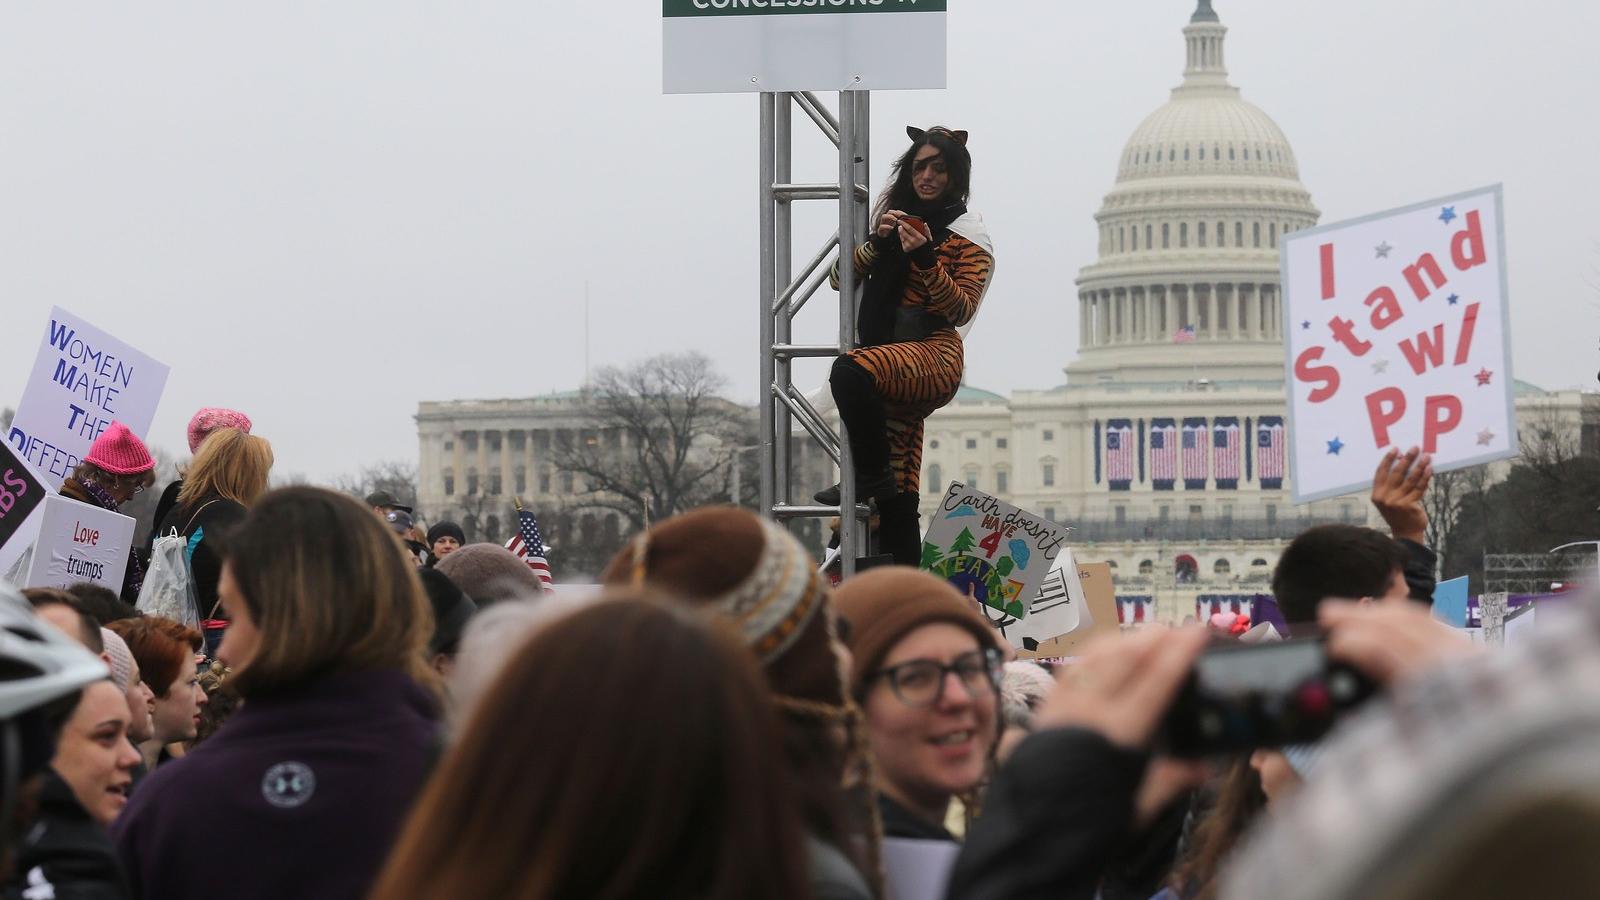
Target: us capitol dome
(1206,187)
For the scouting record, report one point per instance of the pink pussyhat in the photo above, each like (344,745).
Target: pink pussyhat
(120,452)
(210,419)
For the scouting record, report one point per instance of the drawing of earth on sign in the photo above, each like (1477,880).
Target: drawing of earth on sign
(987,583)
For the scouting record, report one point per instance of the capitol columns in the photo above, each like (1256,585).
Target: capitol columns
(1173,322)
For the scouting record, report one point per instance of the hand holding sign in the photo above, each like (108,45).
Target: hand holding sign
(1397,335)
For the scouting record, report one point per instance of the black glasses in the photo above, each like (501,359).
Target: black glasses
(920,682)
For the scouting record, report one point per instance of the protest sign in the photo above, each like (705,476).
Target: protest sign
(79,542)
(992,552)
(917,869)
(1397,335)
(1098,617)
(82,380)
(1450,602)
(20,492)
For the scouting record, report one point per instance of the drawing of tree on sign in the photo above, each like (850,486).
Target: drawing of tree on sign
(931,554)
(964,542)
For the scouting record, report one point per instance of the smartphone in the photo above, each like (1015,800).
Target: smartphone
(1242,696)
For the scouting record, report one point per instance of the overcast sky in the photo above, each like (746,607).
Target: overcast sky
(322,213)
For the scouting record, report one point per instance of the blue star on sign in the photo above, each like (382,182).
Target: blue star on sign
(1448,215)
(1335,445)
(1453,299)
(1305,326)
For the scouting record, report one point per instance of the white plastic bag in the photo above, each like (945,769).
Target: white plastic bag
(168,588)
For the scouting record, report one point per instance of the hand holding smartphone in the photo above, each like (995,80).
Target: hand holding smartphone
(1242,696)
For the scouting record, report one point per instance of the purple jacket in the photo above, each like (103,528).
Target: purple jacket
(295,796)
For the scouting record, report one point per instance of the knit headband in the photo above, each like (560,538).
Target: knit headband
(773,603)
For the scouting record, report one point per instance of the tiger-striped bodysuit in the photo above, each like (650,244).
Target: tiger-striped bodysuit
(916,378)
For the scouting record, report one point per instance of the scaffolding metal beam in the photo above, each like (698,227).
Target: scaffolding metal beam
(782,297)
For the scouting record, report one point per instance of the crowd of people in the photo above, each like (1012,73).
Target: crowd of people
(358,717)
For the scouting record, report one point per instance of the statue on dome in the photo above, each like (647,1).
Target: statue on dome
(927,265)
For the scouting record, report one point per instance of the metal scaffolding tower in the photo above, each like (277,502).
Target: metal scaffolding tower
(784,294)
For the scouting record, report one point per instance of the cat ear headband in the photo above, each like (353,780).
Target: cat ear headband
(917,134)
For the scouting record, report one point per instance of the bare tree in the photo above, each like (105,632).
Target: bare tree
(1448,496)
(659,439)
(398,478)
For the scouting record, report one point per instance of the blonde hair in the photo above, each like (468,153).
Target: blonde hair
(330,591)
(229,464)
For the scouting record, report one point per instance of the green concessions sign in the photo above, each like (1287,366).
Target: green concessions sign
(731,46)
(681,8)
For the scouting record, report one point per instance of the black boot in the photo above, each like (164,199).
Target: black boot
(900,529)
(861,409)
(874,487)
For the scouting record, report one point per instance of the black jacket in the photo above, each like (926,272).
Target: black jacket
(206,517)
(1420,564)
(66,850)
(899,822)
(1051,820)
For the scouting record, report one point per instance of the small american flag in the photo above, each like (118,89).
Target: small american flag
(1270,451)
(1184,335)
(1119,454)
(1163,453)
(528,545)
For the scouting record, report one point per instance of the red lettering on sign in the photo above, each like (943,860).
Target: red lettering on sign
(1305,370)
(1385,407)
(1441,414)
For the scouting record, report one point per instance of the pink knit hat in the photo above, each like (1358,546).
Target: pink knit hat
(120,452)
(210,419)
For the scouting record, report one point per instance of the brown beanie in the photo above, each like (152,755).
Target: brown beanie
(885,604)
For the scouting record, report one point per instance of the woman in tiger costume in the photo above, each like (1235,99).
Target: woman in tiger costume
(927,266)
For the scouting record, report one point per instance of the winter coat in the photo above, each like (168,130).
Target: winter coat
(833,875)
(899,822)
(1421,562)
(1052,818)
(65,854)
(201,522)
(299,794)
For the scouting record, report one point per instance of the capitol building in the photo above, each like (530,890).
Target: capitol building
(1165,448)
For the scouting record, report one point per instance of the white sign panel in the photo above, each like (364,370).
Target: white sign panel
(746,46)
(78,542)
(83,379)
(1397,334)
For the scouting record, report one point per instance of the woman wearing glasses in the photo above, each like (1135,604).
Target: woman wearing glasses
(926,675)
(117,467)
